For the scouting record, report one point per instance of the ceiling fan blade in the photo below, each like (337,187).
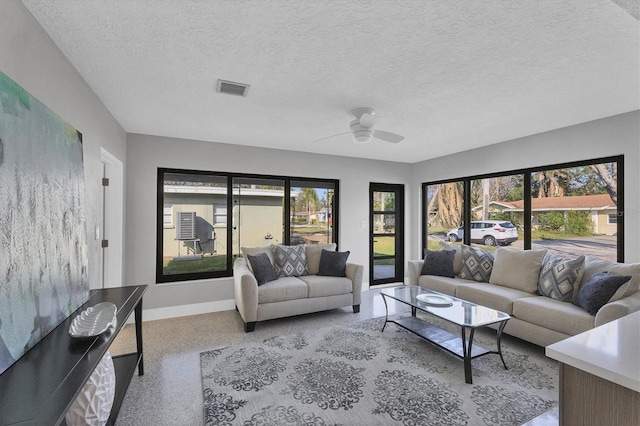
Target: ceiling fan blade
(329,137)
(387,136)
(368,120)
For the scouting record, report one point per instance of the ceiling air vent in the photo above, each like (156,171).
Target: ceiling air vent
(232,88)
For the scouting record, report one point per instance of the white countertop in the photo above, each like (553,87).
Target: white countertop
(611,351)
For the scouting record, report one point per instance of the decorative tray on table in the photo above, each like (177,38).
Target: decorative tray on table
(93,321)
(434,300)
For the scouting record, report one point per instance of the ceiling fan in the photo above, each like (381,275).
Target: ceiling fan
(362,128)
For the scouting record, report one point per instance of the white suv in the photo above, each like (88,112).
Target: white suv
(487,232)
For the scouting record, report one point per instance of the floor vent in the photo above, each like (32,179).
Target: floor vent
(232,88)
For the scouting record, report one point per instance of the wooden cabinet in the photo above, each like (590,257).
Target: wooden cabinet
(42,385)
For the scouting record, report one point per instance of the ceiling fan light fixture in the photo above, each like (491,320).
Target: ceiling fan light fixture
(362,136)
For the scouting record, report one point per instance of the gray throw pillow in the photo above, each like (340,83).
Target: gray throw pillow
(439,263)
(333,263)
(263,270)
(559,277)
(477,264)
(597,291)
(290,261)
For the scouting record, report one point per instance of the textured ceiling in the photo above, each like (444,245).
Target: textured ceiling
(448,75)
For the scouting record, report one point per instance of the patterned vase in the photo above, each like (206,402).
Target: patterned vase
(93,405)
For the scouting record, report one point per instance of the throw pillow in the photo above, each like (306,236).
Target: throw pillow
(457,260)
(593,264)
(597,291)
(439,263)
(476,264)
(246,251)
(517,269)
(290,261)
(263,270)
(559,277)
(313,253)
(333,263)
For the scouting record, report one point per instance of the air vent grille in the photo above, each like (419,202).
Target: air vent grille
(232,88)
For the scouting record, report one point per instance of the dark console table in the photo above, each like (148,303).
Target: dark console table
(40,387)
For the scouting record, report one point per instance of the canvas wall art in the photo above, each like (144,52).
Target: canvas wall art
(43,244)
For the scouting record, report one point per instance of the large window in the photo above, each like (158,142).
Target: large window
(206,217)
(567,209)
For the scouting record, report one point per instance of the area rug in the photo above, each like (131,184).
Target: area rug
(358,375)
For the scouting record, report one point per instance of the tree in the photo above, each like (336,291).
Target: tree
(609,175)
(309,200)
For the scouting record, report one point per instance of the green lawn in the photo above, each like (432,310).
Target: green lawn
(206,264)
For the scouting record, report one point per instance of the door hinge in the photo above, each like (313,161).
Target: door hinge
(105,181)
(104,244)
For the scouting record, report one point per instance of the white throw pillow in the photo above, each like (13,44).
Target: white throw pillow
(517,269)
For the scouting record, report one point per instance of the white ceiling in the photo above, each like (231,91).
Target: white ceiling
(449,75)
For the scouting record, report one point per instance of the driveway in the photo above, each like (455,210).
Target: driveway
(603,246)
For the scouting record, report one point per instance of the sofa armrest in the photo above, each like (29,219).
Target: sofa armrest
(354,273)
(245,290)
(415,270)
(618,309)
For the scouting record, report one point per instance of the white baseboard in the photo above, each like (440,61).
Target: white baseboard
(185,310)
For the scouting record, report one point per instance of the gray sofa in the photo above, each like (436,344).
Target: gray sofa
(294,295)
(535,318)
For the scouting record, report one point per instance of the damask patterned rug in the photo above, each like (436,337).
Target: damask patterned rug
(357,375)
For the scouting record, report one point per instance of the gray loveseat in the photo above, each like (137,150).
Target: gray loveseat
(515,289)
(293,295)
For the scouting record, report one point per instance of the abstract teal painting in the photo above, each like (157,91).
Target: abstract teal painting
(43,244)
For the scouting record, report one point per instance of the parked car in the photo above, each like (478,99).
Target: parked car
(487,232)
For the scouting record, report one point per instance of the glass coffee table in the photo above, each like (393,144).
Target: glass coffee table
(467,315)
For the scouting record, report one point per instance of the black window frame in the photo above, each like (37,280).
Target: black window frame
(161,278)
(526,172)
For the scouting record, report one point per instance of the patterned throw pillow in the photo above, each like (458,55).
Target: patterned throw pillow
(597,291)
(439,263)
(477,264)
(333,263)
(290,261)
(263,270)
(559,277)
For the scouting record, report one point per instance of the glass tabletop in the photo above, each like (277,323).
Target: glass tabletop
(447,307)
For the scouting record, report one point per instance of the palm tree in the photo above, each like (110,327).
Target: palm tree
(309,199)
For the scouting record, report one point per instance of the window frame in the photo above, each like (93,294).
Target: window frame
(466,180)
(161,278)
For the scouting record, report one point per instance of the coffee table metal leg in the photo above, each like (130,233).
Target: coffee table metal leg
(502,325)
(466,354)
(386,312)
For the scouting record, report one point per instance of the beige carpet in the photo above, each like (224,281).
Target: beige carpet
(356,375)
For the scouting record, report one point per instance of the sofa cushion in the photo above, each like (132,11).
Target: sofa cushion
(290,261)
(439,263)
(492,296)
(333,263)
(457,260)
(553,314)
(263,270)
(320,286)
(313,253)
(476,264)
(559,277)
(518,269)
(444,285)
(593,265)
(246,251)
(597,291)
(284,288)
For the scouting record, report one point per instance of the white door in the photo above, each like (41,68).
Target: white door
(112,220)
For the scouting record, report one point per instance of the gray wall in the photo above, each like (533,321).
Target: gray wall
(32,60)
(146,153)
(610,136)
